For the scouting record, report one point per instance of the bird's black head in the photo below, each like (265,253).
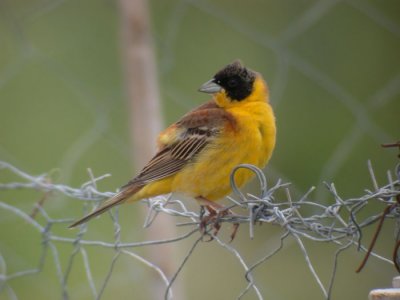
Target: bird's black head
(235,79)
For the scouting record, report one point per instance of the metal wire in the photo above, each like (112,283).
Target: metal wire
(339,222)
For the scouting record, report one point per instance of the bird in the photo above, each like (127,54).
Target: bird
(197,154)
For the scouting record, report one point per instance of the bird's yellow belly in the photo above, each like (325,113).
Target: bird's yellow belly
(211,178)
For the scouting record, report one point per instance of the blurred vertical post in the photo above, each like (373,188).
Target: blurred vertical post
(138,61)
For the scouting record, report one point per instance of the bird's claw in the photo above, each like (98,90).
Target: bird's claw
(213,218)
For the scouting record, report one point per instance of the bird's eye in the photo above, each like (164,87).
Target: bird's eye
(233,82)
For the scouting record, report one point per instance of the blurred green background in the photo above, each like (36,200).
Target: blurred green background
(333,68)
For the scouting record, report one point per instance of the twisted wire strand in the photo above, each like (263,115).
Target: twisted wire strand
(338,222)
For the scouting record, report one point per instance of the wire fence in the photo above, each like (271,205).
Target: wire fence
(339,222)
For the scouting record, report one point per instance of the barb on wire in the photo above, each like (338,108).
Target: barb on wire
(338,222)
(385,212)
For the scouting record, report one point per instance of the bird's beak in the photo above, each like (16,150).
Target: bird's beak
(210,87)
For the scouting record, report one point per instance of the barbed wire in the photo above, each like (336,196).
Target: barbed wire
(339,223)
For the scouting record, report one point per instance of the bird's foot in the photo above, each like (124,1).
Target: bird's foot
(213,218)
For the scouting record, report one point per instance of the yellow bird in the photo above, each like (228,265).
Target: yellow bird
(197,154)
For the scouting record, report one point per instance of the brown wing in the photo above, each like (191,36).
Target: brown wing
(195,130)
(172,158)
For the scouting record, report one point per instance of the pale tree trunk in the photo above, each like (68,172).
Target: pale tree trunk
(138,60)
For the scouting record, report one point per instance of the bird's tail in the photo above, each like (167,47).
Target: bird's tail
(119,198)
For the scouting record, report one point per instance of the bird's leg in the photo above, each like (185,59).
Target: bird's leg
(215,213)
(205,219)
